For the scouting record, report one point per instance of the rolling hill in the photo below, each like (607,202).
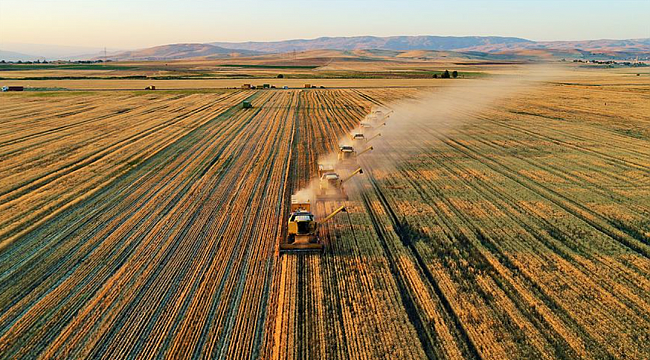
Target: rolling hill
(182,51)
(374,42)
(15,56)
(490,47)
(488,44)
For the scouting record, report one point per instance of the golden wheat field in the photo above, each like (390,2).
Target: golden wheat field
(147,224)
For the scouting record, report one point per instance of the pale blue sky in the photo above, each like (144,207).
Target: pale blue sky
(142,23)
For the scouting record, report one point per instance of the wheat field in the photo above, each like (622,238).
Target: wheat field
(138,224)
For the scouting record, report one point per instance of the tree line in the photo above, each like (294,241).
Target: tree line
(446,75)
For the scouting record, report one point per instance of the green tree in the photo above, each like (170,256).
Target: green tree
(454,74)
(446,75)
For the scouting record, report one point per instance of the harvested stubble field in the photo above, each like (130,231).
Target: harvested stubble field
(147,225)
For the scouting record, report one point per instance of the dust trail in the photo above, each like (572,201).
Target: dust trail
(417,124)
(408,127)
(306,194)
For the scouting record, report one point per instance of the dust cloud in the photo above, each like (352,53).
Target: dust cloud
(306,194)
(418,123)
(404,129)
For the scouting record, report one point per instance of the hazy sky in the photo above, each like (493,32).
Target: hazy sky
(127,24)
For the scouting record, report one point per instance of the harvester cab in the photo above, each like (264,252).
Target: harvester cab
(302,228)
(346,153)
(358,137)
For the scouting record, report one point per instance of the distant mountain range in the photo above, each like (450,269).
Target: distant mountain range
(441,43)
(492,45)
(444,43)
(16,56)
(50,52)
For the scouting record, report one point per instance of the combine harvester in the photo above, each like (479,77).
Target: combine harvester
(366,126)
(360,138)
(379,115)
(331,187)
(348,157)
(302,226)
(374,121)
(302,230)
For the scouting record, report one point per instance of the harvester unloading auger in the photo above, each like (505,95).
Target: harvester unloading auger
(373,137)
(302,229)
(330,187)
